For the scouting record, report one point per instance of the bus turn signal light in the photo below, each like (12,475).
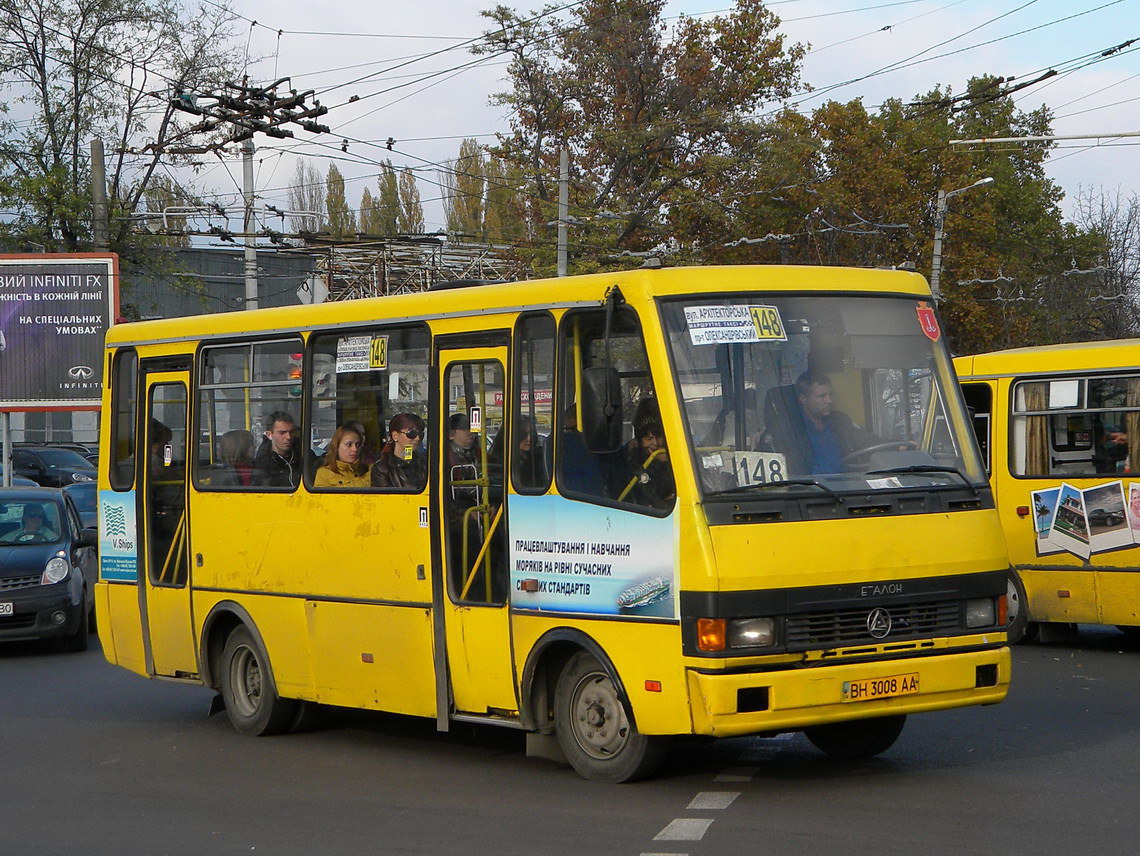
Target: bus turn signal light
(1003,611)
(653,686)
(710,634)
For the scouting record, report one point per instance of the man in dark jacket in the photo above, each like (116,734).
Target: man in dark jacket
(818,438)
(278,461)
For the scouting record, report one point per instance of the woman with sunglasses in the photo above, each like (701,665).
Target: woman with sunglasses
(402,463)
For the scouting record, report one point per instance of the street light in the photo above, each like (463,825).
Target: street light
(939,222)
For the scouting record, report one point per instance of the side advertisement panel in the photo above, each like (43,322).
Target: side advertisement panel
(118,538)
(574,557)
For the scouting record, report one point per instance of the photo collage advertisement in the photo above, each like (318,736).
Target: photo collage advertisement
(1084,522)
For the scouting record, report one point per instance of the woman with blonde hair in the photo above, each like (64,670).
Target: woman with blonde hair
(342,466)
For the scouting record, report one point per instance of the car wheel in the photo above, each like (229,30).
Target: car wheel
(252,703)
(593,728)
(861,738)
(1018,626)
(77,641)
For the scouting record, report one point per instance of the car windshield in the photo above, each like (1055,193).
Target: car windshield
(25,522)
(818,391)
(63,459)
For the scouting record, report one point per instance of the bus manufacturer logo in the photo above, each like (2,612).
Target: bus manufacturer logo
(879,623)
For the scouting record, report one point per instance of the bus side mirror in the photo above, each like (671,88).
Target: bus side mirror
(601,409)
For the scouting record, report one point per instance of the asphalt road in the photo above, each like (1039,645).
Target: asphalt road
(95,760)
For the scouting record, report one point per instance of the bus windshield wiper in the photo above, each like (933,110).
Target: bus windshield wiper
(926,468)
(763,485)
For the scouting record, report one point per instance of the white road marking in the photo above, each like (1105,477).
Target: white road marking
(684,829)
(713,799)
(737,774)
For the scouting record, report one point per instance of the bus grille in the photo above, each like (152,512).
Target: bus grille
(9,583)
(849,627)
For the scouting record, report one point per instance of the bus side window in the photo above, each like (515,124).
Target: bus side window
(533,411)
(638,474)
(366,379)
(1076,426)
(240,388)
(124,417)
(979,400)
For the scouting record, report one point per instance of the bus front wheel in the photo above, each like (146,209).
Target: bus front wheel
(593,728)
(860,738)
(252,703)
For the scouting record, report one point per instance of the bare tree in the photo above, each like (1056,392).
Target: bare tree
(307,193)
(1112,223)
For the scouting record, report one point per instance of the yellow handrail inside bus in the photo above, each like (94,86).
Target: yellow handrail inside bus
(652,457)
(482,552)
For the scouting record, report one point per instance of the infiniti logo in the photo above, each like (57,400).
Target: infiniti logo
(81,372)
(879,623)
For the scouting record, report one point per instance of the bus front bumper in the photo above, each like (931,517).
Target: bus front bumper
(739,703)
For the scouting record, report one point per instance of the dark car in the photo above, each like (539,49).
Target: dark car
(18,481)
(47,568)
(1104,517)
(51,466)
(85,495)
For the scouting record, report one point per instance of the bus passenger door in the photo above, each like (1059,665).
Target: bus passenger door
(473,438)
(165,589)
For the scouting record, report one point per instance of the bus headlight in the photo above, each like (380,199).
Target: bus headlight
(751,632)
(981,612)
(55,570)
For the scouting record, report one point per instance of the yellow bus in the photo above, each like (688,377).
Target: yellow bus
(1060,426)
(603,510)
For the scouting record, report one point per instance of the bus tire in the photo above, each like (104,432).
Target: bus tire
(593,729)
(859,738)
(1018,628)
(252,703)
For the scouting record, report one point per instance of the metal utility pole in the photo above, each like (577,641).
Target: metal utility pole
(563,206)
(939,227)
(250,226)
(100,224)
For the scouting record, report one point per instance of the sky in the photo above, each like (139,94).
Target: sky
(868,49)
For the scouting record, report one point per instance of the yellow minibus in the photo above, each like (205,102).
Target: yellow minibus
(604,510)
(1060,428)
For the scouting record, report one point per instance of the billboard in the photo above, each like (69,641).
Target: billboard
(54,313)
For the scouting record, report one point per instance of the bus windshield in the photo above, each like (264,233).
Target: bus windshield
(840,393)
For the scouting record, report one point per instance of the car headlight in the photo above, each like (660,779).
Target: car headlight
(751,632)
(55,570)
(81,477)
(981,612)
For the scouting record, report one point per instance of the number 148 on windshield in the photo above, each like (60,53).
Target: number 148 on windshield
(759,468)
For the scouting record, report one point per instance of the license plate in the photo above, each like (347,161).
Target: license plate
(872,688)
(6,608)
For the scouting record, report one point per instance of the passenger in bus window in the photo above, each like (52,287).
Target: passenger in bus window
(461,448)
(367,453)
(402,463)
(581,470)
(278,461)
(530,462)
(1110,449)
(646,478)
(236,453)
(342,466)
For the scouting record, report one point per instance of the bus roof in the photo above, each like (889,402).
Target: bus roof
(638,284)
(1073,356)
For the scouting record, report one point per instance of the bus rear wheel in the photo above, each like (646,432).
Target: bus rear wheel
(252,703)
(860,738)
(593,728)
